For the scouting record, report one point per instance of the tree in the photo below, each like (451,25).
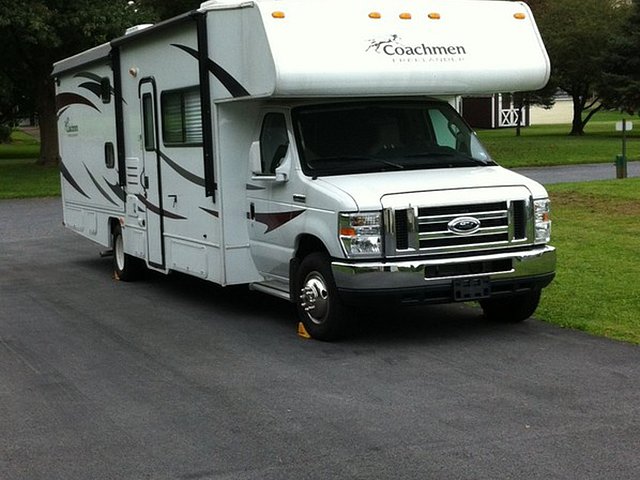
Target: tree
(576,34)
(171,8)
(36,33)
(620,86)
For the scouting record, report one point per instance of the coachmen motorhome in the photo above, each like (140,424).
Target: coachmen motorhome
(312,150)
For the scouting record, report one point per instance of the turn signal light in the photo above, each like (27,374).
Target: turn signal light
(375,15)
(277,14)
(519,16)
(434,16)
(405,16)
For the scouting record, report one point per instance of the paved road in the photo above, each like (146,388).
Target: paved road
(577,173)
(173,378)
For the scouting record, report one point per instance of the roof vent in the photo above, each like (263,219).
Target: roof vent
(137,28)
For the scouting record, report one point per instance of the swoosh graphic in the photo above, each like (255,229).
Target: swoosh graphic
(230,83)
(100,189)
(94,88)
(117,189)
(69,178)
(66,99)
(210,212)
(97,87)
(193,178)
(155,209)
(276,220)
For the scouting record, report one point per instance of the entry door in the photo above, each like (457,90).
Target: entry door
(151,177)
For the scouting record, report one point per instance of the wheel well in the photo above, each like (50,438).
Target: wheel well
(309,244)
(112,225)
(306,245)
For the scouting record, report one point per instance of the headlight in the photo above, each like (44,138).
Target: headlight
(542,215)
(361,234)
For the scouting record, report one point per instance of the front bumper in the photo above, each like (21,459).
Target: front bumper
(425,280)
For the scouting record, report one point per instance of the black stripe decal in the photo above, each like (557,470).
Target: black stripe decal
(210,212)
(66,99)
(67,176)
(193,178)
(89,75)
(230,83)
(157,210)
(94,88)
(117,189)
(100,189)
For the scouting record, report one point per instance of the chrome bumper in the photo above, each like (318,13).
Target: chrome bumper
(412,274)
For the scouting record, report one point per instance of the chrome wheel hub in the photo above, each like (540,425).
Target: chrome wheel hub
(315,297)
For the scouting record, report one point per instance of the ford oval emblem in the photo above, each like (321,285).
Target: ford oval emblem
(464,225)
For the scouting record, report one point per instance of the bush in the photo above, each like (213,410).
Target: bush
(5,134)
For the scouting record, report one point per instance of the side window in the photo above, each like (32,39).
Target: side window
(274,142)
(440,124)
(149,133)
(181,117)
(449,132)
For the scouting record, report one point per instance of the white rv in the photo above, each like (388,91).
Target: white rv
(312,150)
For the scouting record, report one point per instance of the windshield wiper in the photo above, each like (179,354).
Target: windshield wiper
(359,158)
(461,158)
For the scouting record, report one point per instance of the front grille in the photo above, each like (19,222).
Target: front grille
(493,225)
(402,230)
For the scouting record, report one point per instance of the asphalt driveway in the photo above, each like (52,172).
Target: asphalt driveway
(174,378)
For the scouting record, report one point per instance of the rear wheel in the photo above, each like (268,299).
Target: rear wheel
(511,309)
(125,267)
(320,309)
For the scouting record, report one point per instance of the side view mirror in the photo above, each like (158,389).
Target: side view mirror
(281,159)
(254,158)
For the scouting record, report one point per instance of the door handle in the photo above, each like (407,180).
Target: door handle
(252,211)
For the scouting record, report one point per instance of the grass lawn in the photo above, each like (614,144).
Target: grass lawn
(543,145)
(20,177)
(596,231)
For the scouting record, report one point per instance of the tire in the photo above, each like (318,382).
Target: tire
(125,267)
(511,309)
(320,309)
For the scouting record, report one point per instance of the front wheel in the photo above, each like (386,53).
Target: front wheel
(320,308)
(125,267)
(511,309)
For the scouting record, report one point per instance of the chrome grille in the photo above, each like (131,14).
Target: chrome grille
(435,233)
(426,229)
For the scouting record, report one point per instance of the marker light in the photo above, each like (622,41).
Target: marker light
(375,15)
(434,16)
(542,217)
(519,16)
(277,14)
(405,16)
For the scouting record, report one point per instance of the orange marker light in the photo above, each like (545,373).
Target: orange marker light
(277,14)
(405,16)
(375,15)
(348,232)
(434,16)
(519,16)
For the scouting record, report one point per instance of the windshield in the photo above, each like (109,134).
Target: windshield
(364,137)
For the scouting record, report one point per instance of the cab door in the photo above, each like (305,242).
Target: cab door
(151,173)
(273,219)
